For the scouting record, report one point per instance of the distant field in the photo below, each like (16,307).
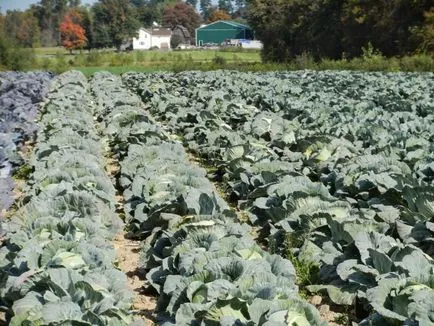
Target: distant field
(58,59)
(195,55)
(50,51)
(89,71)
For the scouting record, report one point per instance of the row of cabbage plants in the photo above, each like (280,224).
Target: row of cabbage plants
(20,95)
(337,166)
(56,257)
(205,266)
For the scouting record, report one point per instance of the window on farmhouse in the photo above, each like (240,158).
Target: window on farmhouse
(142,43)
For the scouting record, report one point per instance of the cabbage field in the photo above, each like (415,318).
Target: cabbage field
(247,194)
(20,94)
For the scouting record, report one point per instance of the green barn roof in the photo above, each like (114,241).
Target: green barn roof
(222,30)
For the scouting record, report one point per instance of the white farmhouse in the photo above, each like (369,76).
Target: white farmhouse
(151,37)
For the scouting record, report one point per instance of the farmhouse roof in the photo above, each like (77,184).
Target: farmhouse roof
(159,31)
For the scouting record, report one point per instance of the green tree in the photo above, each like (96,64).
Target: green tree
(330,28)
(240,9)
(386,24)
(151,11)
(192,3)
(22,27)
(425,33)
(206,8)
(114,22)
(226,5)
(149,14)
(268,19)
(12,55)
(86,23)
(49,14)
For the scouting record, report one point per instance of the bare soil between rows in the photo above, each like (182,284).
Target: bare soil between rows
(128,253)
(128,259)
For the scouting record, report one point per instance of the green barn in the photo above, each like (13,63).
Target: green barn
(222,30)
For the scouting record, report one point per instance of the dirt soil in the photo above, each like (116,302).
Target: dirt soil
(128,252)
(329,312)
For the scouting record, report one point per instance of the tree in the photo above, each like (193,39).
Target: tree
(29,33)
(73,35)
(181,14)
(205,8)
(425,33)
(12,55)
(240,10)
(149,11)
(86,23)
(192,3)
(386,24)
(267,17)
(49,14)
(22,27)
(218,15)
(330,28)
(225,5)
(114,22)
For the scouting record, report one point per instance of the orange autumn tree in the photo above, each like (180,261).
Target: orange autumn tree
(218,14)
(72,34)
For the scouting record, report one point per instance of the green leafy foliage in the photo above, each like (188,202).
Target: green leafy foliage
(56,258)
(205,266)
(340,163)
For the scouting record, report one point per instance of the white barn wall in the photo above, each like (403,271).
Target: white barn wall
(145,40)
(158,40)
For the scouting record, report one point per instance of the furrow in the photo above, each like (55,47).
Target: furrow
(203,263)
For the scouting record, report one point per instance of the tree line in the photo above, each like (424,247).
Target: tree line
(108,23)
(332,29)
(339,29)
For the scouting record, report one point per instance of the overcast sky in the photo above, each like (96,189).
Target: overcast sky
(24,4)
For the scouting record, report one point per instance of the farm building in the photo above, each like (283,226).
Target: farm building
(181,34)
(152,37)
(222,30)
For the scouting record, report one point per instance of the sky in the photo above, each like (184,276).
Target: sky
(24,4)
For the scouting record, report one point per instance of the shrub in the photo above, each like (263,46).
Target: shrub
(219,60)
(121,59)
(94,58)
(141,56)
(304,61)
(14,57)
(418,62)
